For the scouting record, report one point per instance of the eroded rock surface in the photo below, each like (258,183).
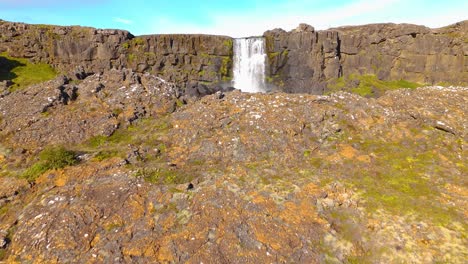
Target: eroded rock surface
(300,61)
(60,111)
(308,61)
(239,178)
(198,63)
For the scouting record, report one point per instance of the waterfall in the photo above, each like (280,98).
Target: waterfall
(249,64)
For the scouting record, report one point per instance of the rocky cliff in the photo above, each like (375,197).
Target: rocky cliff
(194,62)
(305,60)
(302,60)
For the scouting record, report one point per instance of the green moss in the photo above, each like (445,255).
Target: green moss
(362,90)
(3,210)
(117,111)
(275,79)
(150,54)
(448,84)
(126,45)
(163,176)
(225,66)
(54,157)
(226,78)
(273,55)
(97,141)
(204,55)
(269,43)
(138,41)
(179,103)
(23,73)
(367,84)
(398,182)
(106,154)
(145,131)
(131,57)
(229,44)
(112,226)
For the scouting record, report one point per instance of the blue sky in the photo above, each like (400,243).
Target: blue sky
(237,18)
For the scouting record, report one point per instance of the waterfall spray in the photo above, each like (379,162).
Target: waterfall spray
(249,64)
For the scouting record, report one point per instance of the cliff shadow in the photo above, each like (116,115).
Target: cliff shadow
(6,68)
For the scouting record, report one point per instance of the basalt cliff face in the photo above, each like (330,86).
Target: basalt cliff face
(305,60)
(197,63)
(302,60)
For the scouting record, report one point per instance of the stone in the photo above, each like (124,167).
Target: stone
(304,28)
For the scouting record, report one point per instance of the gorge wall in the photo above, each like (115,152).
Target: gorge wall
(194,62)
(302,60)
(305,60)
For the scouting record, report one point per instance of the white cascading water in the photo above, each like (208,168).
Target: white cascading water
(249,64)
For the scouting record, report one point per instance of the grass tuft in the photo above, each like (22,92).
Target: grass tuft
(23,73)
(55,157)
(368,85)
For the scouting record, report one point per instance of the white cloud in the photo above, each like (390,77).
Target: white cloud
(123,21)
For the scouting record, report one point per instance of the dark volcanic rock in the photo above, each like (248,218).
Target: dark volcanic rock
(303,60)
(276,178)
(81,51)
(306,61)
(61,112)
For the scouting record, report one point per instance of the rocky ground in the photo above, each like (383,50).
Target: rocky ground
(231,177)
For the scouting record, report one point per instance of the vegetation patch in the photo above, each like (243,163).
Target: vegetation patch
(23,73)
(400,181)
(164,176)
(138,41)
(145,132)
(106,154)
(55,157)
(368,85)
(225,66)
(229,45)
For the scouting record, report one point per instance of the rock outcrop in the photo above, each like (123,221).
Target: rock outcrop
(305,60)
(235,177)
(64,112)
(198,63)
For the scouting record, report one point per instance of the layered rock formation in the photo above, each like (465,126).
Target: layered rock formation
(305,60)
(194,62)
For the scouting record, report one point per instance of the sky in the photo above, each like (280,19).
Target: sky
(236,18)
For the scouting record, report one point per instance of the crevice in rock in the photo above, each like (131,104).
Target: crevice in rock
(444,129)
